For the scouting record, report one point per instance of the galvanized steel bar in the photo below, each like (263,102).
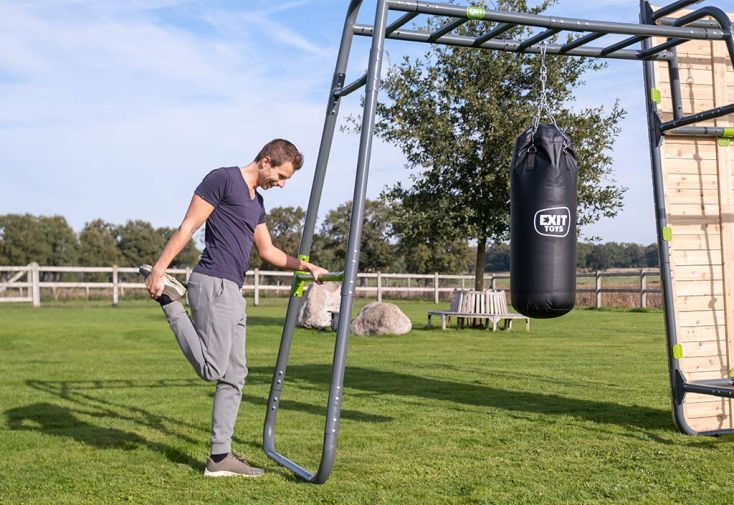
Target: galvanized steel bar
(448,27)
(509,45)
(661,227)
(695,118)
(495,32)
(560,23)
(581,41)
(400,22)
(536,39)
(294,303)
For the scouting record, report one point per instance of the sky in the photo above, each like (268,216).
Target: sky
(116,109)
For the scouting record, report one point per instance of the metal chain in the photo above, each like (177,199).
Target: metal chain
(543,102)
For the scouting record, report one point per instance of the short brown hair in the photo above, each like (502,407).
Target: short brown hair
(281,151)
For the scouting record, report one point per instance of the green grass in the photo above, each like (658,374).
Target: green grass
(97,405)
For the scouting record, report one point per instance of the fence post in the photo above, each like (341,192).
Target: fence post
(256,295)
(598,289)
(379,286)
(435,287)
(643,289)
(35,284)
(115,287)
(492,282)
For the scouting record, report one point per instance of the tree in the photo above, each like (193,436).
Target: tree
(455,114)
(376,252)
(47,240)
(139,243)
(98,244)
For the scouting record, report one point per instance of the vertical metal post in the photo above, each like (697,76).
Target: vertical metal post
(294,305)
(35,284)
(115,287)
(661,225)
(597,287)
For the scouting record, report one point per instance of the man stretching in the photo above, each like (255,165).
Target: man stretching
(213,339)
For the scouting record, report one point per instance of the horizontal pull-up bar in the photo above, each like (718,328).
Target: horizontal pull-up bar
(703,131)
(559,23)
(510,45)
(695,118)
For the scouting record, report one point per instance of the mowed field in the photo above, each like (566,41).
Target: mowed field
(98,405)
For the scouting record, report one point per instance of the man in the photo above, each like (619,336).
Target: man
(213,339)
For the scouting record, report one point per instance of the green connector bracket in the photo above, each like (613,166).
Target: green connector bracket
(655,95)
(475,12)
(298,281)
(667,234)
(731,373)
(724,142)
(677,351)
(728,132)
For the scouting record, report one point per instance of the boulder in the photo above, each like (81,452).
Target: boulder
(318,300)
(380,318)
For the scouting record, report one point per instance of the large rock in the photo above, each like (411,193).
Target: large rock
(379,318)
(318,300)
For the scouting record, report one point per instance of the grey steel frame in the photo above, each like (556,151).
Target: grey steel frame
(689,27)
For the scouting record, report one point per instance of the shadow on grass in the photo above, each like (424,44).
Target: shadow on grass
(89,399)
(61,421)
(394,383)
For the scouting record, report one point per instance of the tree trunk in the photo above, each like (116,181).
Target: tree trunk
(479,269)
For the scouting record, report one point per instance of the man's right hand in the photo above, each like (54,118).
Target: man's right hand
(155,284)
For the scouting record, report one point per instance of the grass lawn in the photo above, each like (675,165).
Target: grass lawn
(98,405)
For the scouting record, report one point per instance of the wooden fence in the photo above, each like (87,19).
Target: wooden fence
(26,283)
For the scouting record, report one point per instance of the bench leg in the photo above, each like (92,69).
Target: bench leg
(527,324)
(429,321)
(443,322)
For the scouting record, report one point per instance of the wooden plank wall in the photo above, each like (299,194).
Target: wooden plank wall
(699,204)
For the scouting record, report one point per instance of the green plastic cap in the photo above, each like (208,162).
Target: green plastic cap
(728,132)
(677,351)
(724,142)
(667,234)
(475,12)
(655,95)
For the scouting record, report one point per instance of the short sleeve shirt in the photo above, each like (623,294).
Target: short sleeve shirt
(230,228)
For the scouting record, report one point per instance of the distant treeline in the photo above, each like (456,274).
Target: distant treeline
(589,256)
(49,240)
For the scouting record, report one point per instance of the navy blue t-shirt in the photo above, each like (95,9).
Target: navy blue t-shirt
(231,226)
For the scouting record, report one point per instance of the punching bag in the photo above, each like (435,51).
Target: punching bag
(543,223)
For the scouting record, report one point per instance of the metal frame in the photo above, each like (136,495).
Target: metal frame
(652,24)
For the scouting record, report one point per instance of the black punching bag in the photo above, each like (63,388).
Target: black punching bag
(543,223)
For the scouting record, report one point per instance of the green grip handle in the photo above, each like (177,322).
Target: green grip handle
(302,278)
(331,276)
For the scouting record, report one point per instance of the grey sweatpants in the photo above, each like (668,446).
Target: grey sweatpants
(213,340)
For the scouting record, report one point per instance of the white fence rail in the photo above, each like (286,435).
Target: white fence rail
(25,283)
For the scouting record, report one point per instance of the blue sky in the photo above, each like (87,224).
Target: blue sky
(116,109)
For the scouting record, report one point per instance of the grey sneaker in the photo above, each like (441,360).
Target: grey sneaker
(232,465)
(172,288)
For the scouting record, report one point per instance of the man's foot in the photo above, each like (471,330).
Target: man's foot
(232,465)
(172,288)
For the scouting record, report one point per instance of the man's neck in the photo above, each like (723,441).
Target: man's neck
(249,173)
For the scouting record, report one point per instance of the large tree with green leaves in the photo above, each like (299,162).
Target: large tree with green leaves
(376,251)
(456,112)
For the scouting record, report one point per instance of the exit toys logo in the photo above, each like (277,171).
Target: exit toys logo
(552,222)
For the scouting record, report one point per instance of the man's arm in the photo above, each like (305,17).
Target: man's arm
(197,213)
(268,252)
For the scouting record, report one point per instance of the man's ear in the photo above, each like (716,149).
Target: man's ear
(266,162)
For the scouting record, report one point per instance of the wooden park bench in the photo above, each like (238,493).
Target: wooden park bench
(484,306)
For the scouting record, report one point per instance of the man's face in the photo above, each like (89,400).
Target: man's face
(272,177)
